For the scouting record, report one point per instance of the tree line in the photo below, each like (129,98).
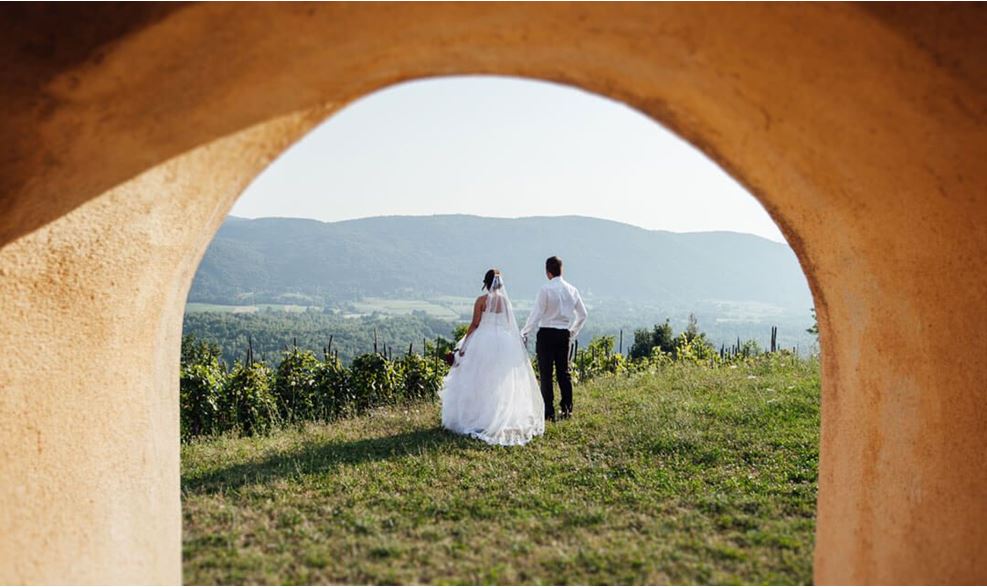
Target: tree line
(270,333)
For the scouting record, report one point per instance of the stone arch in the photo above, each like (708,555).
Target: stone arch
(129,132)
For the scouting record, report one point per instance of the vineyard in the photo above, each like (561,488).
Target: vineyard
(684,464)
(251,397)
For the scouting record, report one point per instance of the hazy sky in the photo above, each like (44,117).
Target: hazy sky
(501,147)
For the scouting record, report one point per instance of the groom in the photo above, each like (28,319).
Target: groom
(559,314)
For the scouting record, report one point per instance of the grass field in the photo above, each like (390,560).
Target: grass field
(691,476)
(447,309)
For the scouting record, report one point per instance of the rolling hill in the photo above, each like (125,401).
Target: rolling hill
(286,260)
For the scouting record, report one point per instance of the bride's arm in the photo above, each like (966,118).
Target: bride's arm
(477,314)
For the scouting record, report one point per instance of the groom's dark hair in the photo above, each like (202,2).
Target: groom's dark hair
(554,266)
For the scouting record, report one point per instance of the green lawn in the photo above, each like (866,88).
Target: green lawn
(691,476)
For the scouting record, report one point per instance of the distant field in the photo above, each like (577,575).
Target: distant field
(231,309)
(446,307)
(751,312)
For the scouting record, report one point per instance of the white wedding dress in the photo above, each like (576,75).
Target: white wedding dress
(491,392)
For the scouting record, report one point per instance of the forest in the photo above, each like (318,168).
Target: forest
(269,333)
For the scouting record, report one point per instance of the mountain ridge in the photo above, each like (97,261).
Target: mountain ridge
(267,259)
(234,218)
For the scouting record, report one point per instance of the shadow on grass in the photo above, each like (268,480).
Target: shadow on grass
(318,458)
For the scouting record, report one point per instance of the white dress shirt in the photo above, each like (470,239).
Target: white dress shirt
(558,305)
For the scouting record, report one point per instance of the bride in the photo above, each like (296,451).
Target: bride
(491,392)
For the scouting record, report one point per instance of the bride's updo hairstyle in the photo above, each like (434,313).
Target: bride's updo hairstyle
(488,279)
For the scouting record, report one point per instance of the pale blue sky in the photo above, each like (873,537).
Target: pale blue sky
(501,147)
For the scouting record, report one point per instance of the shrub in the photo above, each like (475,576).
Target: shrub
(421,380)
(696,350)
(335,398)
(199,393)
(660,358)
(201,377)
(661,337)
(765,363)
(195,351)
(598,359)
(247,404)
(294,385)
(750,348)
(374,381)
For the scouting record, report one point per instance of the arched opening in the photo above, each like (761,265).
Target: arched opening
(575,513)
(130,140)
(542,156)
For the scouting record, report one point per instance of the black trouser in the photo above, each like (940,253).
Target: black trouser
(552,348)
